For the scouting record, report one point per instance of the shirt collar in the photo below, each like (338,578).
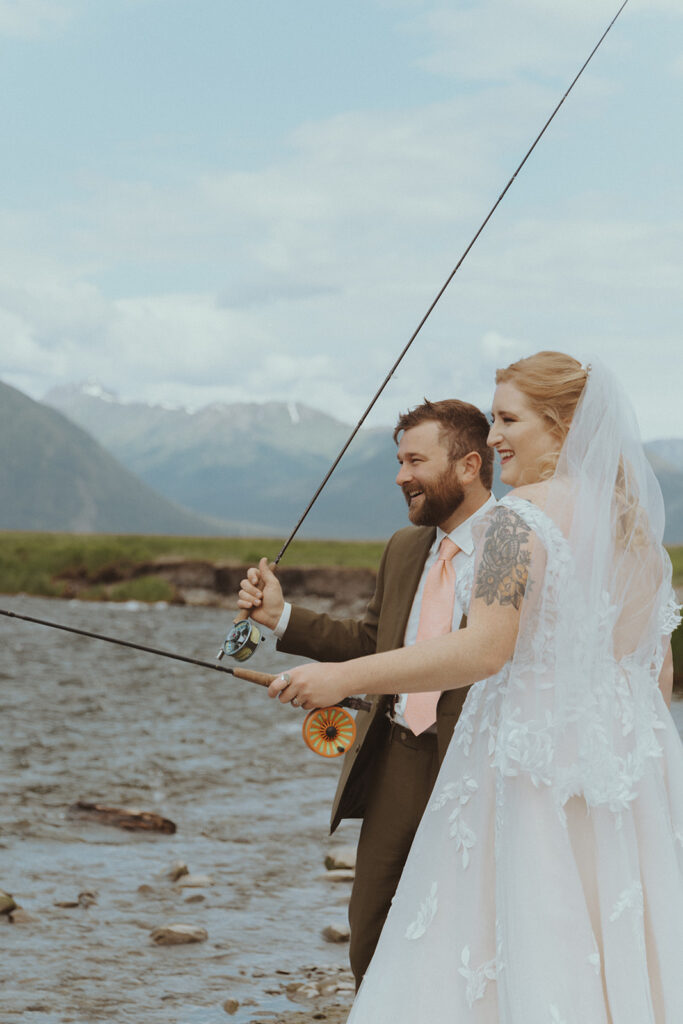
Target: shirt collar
(462,534)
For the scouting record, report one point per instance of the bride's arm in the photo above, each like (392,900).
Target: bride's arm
(446,662)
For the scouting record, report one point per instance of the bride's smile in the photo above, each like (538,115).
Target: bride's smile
(522,437)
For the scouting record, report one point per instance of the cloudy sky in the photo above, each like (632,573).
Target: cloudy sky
(228,200)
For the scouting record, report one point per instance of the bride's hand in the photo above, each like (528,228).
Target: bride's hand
(311,686)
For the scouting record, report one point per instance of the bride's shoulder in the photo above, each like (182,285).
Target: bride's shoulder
(548,495)
(536,493)
(545,507)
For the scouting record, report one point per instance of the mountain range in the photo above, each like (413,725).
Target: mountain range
(55,476)
(241,469)
(249,463)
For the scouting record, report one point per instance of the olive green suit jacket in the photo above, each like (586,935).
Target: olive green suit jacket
(382,628)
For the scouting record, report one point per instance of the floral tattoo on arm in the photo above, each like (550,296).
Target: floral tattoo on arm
(504,566)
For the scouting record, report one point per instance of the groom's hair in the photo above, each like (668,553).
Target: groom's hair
(463,427)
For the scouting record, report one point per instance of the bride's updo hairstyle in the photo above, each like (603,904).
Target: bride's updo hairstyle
(552,383)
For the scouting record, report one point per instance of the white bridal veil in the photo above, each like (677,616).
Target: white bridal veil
(545,884)
(597,616)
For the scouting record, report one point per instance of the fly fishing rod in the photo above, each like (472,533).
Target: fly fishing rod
(327,731)
(244,636)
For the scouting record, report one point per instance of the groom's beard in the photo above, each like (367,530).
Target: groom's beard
(439,500)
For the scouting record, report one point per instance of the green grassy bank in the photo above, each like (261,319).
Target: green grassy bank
(38,563)
(42,563)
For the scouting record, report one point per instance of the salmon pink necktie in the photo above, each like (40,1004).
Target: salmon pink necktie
(436,619)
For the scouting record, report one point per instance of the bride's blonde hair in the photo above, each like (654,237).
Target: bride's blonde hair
(553,383)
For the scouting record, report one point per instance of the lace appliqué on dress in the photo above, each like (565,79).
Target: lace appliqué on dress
(670,615)
(594,961)
(477,978)
(629,899)
(539,736)
(464,580)
(464,729)
(461,792)
(425,915)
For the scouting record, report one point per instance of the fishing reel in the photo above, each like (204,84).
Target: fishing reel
(329,732)
(242,640)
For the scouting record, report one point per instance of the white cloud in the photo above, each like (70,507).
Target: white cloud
(302,279)
(496,40)
(31,18)
(497,350)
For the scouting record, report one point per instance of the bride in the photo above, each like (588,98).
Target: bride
(545,884)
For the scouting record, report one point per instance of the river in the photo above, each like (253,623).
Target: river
(83,720)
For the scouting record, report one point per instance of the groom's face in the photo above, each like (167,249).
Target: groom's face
(427,476)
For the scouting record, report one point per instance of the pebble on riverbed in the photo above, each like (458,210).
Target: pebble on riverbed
(339,875)
(194,881)
(20,916)
(336,933)
(178,934)
(321,983)
(177,869)
(343,857)
(327,992)
(84,899)
(129,818)
(11,912)
(7,904)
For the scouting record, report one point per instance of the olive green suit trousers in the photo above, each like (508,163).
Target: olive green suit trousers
(388,774)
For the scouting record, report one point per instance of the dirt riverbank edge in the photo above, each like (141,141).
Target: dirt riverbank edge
(216,584)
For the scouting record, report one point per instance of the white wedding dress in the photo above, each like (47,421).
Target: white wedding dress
(545,883)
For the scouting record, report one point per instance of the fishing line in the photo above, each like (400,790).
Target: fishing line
(444,287)
(243,639)
(261,678)
(328,732)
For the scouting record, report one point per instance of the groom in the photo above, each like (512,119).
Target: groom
(445,473)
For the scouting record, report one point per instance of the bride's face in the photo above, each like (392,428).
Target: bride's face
(520,436)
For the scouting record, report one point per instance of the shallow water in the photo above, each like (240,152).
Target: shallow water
(80,719)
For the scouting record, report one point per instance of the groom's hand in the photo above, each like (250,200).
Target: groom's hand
(261,595)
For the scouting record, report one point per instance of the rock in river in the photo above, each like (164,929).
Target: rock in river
(336,933)
(343,857)
(339,875)
(194,881)
(7,904)
(177,934)
(177,870)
